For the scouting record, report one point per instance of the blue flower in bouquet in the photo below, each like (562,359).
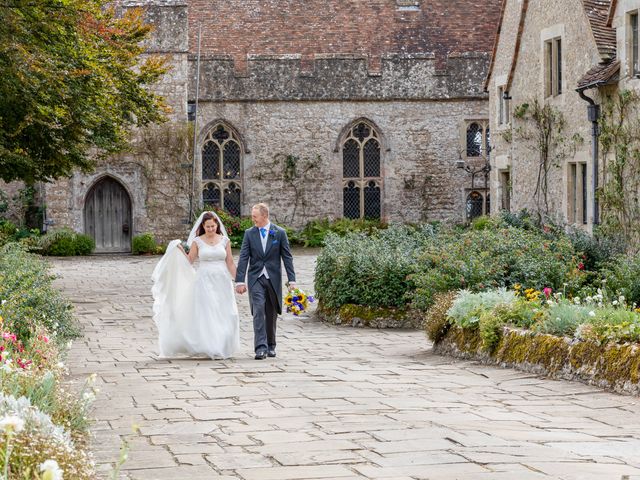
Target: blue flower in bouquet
(297,301)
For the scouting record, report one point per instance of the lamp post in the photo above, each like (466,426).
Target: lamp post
(484,169)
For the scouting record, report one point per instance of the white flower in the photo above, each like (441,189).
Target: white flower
(88,396)
(60,364)
(604,280)
(52,470)
(592,313)
(621,299)
(614,303)
(576,300)
(6,368)
(11,424)
(549,302)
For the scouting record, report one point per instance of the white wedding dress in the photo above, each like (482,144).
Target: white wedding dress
(195,310)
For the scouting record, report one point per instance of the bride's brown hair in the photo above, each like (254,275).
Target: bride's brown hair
(205,217)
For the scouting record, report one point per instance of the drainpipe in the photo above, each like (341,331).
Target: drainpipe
(593,114)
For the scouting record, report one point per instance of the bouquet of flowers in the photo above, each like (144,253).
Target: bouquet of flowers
(297,301)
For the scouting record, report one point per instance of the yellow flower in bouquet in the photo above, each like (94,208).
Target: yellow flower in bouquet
(297,301)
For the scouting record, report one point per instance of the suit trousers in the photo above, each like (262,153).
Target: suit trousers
(265,314)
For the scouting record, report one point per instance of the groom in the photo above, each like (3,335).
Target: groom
(263,246)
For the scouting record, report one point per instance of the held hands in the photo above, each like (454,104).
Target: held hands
(241,289)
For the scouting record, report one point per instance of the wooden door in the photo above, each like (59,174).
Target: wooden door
(107,216)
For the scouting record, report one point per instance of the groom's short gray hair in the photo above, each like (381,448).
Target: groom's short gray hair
(263,207)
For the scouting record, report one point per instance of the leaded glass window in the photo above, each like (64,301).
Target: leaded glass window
(477,139)
(474,205)
(222,170)
(361,173)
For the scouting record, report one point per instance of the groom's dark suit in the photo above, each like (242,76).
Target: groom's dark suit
(265,295)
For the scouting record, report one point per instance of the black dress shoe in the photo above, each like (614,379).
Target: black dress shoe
(271,352)
(261,355)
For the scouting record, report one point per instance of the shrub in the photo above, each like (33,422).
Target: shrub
(84,244)
(143,243)
(29,298)
(437,322)
(65,242)
(315,232)
(623,277)
(490,326)
(562,319)
(364,270)
(468,306)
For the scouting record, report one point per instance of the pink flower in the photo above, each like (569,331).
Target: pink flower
(547,291)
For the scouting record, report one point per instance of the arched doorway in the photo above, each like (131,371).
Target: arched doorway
(107,216)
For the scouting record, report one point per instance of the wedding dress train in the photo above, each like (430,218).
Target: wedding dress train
(195,310)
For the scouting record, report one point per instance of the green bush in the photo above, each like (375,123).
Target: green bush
(315,232)
(143,243)
(468,306)
(623,277)
(493,257)
(29,298)
(84,244)
(65,243)
(363,270)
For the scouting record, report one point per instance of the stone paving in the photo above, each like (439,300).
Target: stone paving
(337,403)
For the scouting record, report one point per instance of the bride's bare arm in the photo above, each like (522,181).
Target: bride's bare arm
(230,265)
(193,252)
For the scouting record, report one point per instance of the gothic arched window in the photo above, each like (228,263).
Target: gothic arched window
(361,177)
(477,139)
(221,170)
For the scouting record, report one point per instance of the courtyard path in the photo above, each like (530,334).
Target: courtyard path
(337,403)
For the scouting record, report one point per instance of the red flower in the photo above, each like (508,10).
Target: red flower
(547,291)
(580,266)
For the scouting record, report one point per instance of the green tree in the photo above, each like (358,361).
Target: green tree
(73,81)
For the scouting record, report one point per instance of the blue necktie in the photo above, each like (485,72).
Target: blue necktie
(263,232)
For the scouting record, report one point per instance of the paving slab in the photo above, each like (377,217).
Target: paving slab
(336,403)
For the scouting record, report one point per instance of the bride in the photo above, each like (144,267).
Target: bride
(195,311)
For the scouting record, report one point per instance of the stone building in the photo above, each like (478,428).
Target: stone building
(557,57)
(320,108)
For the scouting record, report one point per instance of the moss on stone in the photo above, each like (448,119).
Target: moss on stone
(612,366)
(350,311)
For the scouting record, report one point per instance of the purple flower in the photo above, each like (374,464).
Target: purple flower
(310,298)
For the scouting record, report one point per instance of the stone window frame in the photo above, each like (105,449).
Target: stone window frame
(362,183)
(632,42)
(224,185)
(504,106)
(485,132)
(552,60)
(577,193)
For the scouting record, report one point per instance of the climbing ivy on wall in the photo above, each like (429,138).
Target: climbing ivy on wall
(620,141)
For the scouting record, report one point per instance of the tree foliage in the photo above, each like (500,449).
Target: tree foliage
(73,81)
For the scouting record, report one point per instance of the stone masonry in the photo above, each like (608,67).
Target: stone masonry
(291,79)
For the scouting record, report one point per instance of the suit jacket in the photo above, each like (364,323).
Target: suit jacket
(253,259)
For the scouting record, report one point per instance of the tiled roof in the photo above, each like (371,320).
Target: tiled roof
(600,75)
(597,12)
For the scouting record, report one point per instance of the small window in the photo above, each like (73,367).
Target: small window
(635,67)
(477,138)
(553,67)
(577,193)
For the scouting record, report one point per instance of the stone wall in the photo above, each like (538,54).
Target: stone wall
(547,19)
(420,142)
(292,86)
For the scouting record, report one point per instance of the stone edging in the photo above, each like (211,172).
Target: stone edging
(614,366)
(361,316)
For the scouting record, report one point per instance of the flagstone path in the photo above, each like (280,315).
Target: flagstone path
(337,403)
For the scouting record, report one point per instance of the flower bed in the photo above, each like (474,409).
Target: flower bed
(593,339)
(43,423)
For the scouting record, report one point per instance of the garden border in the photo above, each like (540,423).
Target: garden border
(613,366)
